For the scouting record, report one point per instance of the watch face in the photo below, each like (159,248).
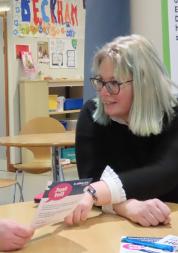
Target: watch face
(91,190)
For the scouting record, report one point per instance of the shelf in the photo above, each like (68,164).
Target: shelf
(65,83)
(64,112)
(58,82)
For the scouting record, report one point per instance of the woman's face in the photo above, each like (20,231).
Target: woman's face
(116,106)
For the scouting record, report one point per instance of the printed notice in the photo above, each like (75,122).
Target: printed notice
(58,201)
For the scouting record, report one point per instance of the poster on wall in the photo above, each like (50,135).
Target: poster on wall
(37,18)
(27,61)
(63,53)
(42,52)
(170,38)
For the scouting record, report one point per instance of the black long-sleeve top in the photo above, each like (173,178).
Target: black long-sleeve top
(147,166)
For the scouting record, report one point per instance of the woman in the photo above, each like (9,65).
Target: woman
(127,137)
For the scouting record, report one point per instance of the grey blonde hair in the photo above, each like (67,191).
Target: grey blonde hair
(152,98)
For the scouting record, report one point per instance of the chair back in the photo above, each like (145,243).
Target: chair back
(41,125)
(41,155)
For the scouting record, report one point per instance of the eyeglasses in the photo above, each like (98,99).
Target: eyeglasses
(113,86)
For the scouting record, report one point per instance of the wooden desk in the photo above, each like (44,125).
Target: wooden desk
(53,140)
(97,235)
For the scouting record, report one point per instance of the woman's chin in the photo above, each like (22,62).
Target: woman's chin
(114,114)
(110,113)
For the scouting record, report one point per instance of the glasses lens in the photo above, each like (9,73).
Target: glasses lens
(113,87)
(97,84)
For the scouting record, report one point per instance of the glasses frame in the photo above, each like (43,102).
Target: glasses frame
(106,84)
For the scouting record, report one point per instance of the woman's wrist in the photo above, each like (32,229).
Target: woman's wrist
(125,208)
(121,208)
(89,198)
(102,193)
(92,191)
(114,184)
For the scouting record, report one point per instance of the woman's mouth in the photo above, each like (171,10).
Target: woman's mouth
(108,102)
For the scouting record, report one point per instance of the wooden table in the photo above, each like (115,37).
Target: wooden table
(97,235)
(54,140)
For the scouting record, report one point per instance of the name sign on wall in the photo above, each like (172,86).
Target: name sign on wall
(53,18)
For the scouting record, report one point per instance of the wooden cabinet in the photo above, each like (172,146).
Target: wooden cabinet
(34,101)
(34,97)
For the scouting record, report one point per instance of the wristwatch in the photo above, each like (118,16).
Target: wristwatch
(91,190)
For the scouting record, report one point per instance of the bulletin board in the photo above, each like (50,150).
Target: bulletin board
(53,32)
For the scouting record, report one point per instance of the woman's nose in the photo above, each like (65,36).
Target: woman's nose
(104,91)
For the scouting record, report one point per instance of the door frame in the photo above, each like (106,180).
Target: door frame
(6,82)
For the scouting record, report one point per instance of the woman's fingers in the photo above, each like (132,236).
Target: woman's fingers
(77,215)
(156,212)
(81,211)
(159,210)
(69,219)
(84,215)
(165,210)
(146,213)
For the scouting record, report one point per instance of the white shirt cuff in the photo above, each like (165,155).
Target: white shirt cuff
(108,209)
(115,186)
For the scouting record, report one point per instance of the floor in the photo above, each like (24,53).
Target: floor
(33,184)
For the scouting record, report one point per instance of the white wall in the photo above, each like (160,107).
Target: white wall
(146,20)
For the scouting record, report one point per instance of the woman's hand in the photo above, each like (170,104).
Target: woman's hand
(13,236)
(81,211)
(146,213)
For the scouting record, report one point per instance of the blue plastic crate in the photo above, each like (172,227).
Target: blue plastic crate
(68,153)
(73,103)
